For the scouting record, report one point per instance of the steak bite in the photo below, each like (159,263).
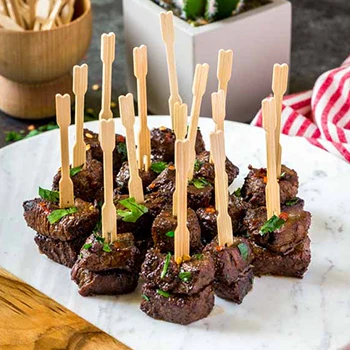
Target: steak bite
(253,190)
(164,226)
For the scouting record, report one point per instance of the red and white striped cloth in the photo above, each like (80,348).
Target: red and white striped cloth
(321,115)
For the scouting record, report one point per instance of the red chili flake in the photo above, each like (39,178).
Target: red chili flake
(120,138)
(171,167)
(219,248)
(210,210)
(284,216)
(31,127)
(265,179)
(152,186)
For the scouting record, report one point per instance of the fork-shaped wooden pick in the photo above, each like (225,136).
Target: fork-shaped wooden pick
(218,109)
(63,115)
(224,70)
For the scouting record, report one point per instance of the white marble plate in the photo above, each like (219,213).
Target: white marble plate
(280,313)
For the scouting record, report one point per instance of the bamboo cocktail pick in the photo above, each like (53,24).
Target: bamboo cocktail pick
(51,21)
(272,191)
(218,102)
(31,4)
(107,57)
(80,81)
(63,112)
(109,213)
(279,88)
(127,115)
(198,90)
(224,71)
(224,222)
(13,9)
(180,129)
(144,136)
(182,235)
(167,28)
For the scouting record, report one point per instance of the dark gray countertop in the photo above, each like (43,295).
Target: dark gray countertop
(321,29)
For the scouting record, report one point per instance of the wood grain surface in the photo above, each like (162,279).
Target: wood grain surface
(31,320)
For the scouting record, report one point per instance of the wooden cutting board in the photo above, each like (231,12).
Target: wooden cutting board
(31,320)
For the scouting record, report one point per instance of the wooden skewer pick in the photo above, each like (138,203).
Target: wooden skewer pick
(144,137)
(8,23)
(224,222)
(127,115)
(3,8)
(167,28)
(272,192)
(279,88)
(50,23)
(182,235)
(31,4)
(198,90)
(224,71)
(107,57)
(218,102)
(63,112)
(109,213)
(80,82)
(42,11)
(13,9)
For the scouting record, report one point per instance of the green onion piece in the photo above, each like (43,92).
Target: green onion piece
(166,265)
(199,183)
(170,234)
(158,167)
(185,276)
(163,294)
(52,196)
(198,256)
(106,248)
(135,210)
(58,214)
(271,225)
(197,165)
(292,202)
(238,192)
(87,245)
(145,297)
(243,249)
(76,170)
(283,175)
(121,149)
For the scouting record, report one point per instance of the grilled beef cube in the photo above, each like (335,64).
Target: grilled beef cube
(94,149)
(253,190)
(203,168)
(163,144)
(284,239)
(156,202)
(62,252)
(188,278)
(88,183)
(99,256)
(123,177)
(208,217)
(233,273)
(293,264)
(177,308)
(110,282)
(70,227)
(165,224)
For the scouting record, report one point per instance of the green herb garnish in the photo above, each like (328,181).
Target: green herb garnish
(135,210)
(14,136)
(99,239)
(87,245)
(238,192)
(52,196)
(243,249)
(166,265)
(20,135)
(283,175)
(121,149)
(185,276)
(197,165)
(163,294)
(58,214)
(98,229)
(292,202)
(170,234)
(199,183)
(158,167)
(271,225)
(106,248)
(76,170)
(145,297)
(198,256)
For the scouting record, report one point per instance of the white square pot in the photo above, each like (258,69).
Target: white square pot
(259,38)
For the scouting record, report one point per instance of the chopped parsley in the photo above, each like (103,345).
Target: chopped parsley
(197,165)
(135,210)
(17,136)
(292,202)
(121,149)
(76,170)
(162,293)
(185,276)
(170,234)
(144,296)
(271,225)
(97,229)
(238,192)
(51,196)
(99,238)
(199,183)
(58,214)
(158,167)
(106,247)
(243,249)
(283,175)
(87,245)
(166,265)
(198,256)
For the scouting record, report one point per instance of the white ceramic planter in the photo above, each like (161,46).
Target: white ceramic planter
(259,38)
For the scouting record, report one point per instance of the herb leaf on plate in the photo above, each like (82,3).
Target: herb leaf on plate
(135,210)
(58,214)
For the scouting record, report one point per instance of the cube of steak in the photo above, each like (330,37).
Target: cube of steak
(177,308)
(88,183)
(284,239)
(156,202)
(111,282)
(293,264)
(62,252)
(94,149)
(70,227)
(188,278)
(123,254)
(163,143)
(253,190)
(123,176)
(165,222)
(205,169)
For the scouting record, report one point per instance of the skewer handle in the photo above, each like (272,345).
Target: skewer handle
(224,71)
(218,101)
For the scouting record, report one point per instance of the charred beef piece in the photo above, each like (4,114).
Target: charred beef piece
(253,190)
(94,149)
(165,223)
(156,202)
(207,217)
(122,178)
(203,168)
(199,272)
(110,282)
(293,264)
(284,239)
(121,254)
(177,308)
(88,183)
(163,142)
(233,273)
(70,227)
(62,252)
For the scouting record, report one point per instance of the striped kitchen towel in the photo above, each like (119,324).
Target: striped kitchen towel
(321,115)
